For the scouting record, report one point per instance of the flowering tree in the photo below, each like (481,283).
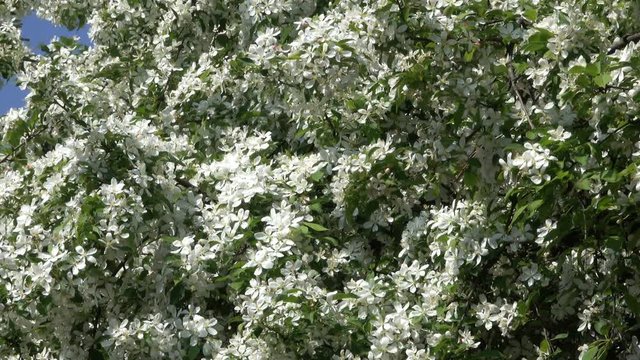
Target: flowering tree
(391,179)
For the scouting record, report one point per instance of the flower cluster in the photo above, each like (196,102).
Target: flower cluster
(261,179)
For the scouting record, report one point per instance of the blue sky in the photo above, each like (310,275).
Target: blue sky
(38,32)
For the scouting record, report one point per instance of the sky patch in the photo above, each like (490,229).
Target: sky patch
(36,32)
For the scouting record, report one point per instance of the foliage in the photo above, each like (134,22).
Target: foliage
(392,179)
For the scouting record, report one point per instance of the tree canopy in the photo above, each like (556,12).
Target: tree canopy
(277,179)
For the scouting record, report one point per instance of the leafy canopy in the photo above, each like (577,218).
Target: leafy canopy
(253,179)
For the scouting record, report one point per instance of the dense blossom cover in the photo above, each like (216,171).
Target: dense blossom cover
(277,179)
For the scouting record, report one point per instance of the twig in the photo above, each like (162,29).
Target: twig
(333,128)
(186,184)
(512,82)
(26,140)
(624,41)
(466,164)
(55,100)
(36,133)
(617,130)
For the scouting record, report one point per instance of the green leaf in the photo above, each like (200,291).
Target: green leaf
(532,135)
(628,170)
(545,347)
(530,206)
(291,299)
(342,296)
(237,285)
(602,80)
(582,159)
(593,69)
(317,176)
(67,41)
(486,355)
(531,14)
(112,72)
(317,207)
(193,353)
(343,44)
(470,178)
(13,136)
(315,227)
(177,293)
(583,184)
(560,336)
(538,41)
(518,212)
(534,205)
(311,315)
(514,147)
(632,302)
(606,203)
(330,240)
(294,290)
(85,225)
(468,56)
(168,239)
(614,242)
(577,69)
(591,354)
(597,350)
(602,327)
(295,56)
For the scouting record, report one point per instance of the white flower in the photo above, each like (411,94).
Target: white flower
(467,339)
(486,312)
(633,351)
(583,351)
(540,73)
(508,313)
(195,326)
(530,274)
(82,259)
(543,231)
(24,218)
(585,319)
(533,161)
(279,223)
(183,247)
(559,134)
(263,259)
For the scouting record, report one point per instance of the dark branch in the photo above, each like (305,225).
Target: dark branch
(621,43)
(513,85)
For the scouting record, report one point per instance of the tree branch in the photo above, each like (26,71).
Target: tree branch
(621,43)
(28,138)
(514,89)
